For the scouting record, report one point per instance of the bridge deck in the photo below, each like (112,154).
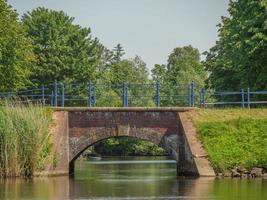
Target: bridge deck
(126,109)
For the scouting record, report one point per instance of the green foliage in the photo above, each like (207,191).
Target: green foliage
(110,97)
(16,57)
(127,146)
(238,60)
(128,71)
(233,137)
(64,51)
(183,67)
(118,52)
(131,71)
(25,145)
(159,72)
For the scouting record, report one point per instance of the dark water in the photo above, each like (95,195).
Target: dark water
(132,178)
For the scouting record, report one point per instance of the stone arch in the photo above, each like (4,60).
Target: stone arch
(81,144)
(87,128)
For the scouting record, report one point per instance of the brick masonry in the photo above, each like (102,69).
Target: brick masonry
(87,126)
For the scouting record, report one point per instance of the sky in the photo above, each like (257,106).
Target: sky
(147,28)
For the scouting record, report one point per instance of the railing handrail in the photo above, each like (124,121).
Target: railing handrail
(132,93)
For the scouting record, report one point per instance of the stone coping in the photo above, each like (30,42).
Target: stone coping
(125,109)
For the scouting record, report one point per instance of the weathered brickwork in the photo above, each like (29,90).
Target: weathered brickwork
(86,128)
(78,128)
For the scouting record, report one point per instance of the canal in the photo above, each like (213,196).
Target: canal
(131,178)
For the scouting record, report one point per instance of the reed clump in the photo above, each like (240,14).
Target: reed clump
(25,145)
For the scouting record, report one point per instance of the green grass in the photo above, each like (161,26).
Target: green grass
(25,145)
(233,137)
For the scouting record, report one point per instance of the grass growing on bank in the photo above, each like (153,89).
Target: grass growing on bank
(25,144)
(233,137)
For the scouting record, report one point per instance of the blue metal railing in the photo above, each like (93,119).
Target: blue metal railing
(135,95)
(243,98)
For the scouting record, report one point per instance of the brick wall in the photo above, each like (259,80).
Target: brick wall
(86,128)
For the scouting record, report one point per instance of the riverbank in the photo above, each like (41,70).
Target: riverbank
(235,140)
(25,145)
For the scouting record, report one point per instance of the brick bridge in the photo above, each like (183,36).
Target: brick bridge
(75,129)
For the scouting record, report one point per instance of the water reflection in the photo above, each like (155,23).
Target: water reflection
(37,188)
(154,179)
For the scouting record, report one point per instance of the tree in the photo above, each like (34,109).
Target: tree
(64,51)
(238,60)
(183,67)
(159,72)
(131,71)
(16,56)
(128,70)
(118,52)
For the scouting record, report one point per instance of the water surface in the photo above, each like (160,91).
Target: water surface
(131,178)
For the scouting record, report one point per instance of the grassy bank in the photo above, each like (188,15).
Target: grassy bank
(25,145)
(233,137)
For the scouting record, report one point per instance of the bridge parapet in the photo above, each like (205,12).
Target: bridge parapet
(124,109)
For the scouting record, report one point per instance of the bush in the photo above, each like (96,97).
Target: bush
(127,146)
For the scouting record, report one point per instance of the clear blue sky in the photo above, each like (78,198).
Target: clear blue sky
(148,28)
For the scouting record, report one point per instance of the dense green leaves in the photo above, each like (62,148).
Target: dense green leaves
(238,60)
(64,51)
(126,71)
(183,67)
(127,146)
(118,52)
(16,55)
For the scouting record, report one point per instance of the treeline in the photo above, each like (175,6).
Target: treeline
(46,45)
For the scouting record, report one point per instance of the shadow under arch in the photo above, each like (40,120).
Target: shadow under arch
(158,140)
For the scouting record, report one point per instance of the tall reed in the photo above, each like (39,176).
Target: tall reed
(25,145)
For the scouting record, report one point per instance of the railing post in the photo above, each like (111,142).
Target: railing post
(55,93)
(189,95)
(248,98)
(202,98)
(158,93)
(43,94)
(125,95)
(89,103)
(62,95)
(192,94)
(94,96)
(243,98)
(52,98)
